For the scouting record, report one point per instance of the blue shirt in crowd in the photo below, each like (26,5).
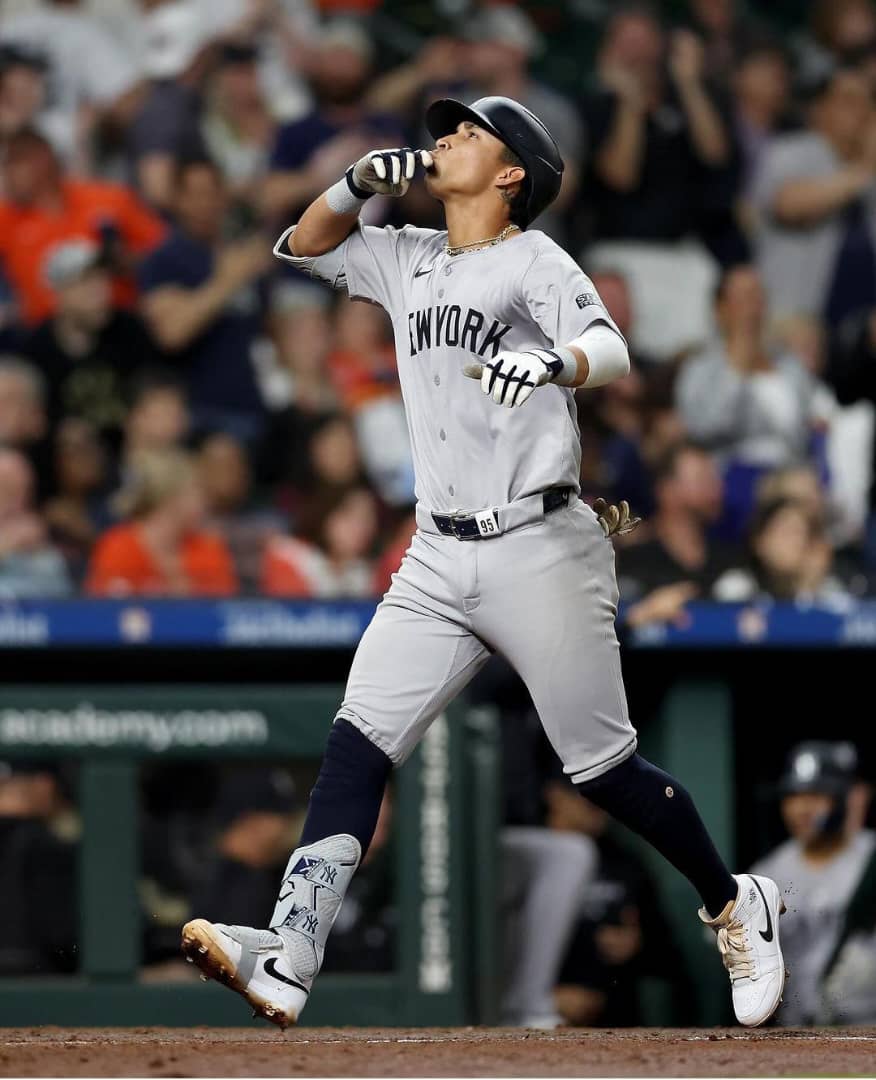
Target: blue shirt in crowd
(217,365)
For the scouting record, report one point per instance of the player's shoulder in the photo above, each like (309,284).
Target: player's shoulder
(541,253)
(541,246)
(415,236)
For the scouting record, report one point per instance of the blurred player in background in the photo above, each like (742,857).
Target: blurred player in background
(828,866)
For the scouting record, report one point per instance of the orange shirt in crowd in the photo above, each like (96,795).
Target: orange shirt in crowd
(122,565)
(358,379)
(296,569)
(29,235)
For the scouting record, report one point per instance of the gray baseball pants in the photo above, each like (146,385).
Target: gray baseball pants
(543,595)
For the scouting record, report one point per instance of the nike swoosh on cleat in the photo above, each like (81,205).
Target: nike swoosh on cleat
(423,271)
(767,934)
(271,969)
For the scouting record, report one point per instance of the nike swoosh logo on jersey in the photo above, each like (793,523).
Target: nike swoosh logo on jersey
(767,934)
(271,969)
(423,270)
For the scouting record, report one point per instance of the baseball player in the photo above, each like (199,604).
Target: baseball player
(495,328)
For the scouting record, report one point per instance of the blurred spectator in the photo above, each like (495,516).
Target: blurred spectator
(165,127)
(88,351)
(826,869)
(439,65)
(850,372)
(621,934)
(395,548)
(237,126)
(29,565)
(255,817)
(158,418)
(726,29)
(331,554)
(661,172)
(652,137)
(24,91)
(10,330)
(42,209)
(755,408)
(848,443)
(762,100)
(791,558)
(841,31)
(23,421)
(78,511)
(363,369)
(245,526)
(94,80)
(688,493)
(202,301)
(816,201)
(612,419)
(303,335)
(330,461)
(164,548)
(313,151)
(503,42)
(37,933)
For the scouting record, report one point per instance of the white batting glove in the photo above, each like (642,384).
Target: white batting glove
(386,172)
(510,377)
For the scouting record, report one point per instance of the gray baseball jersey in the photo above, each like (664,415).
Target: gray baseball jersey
(542,590)
(521,294)
(817,897)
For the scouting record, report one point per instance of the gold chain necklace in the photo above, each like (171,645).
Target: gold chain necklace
(491,242)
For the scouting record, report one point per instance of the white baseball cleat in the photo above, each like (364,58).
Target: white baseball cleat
(274,969)
(255,963)
(748,940)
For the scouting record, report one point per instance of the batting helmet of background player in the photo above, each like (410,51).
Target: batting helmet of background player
(828,768)
(521,131)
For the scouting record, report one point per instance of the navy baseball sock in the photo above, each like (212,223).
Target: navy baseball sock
(349,789)
(654,805)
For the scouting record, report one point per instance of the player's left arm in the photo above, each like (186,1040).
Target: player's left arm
(561,300)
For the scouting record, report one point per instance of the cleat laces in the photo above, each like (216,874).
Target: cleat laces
(736,952)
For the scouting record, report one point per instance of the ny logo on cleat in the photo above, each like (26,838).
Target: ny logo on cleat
(311,922)
(305,863)
(328,874)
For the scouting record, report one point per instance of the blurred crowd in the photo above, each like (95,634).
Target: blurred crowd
(181,414)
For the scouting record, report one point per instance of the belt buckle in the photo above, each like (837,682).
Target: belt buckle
(460,515)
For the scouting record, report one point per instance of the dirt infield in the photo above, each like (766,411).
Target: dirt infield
(434,1052)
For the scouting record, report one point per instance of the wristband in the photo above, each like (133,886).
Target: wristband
(345,197)
(563,365)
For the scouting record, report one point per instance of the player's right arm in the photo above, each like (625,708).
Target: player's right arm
(330,219)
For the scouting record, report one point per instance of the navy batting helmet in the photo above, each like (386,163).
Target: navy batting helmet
(828,767)
(521,131)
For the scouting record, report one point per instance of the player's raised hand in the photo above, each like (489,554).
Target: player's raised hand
(386,172)
(510,377)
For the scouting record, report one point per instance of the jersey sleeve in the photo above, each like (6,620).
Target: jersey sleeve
(366,264)
(562,299)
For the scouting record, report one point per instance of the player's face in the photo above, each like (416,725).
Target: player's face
(466,162)
(804,814)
